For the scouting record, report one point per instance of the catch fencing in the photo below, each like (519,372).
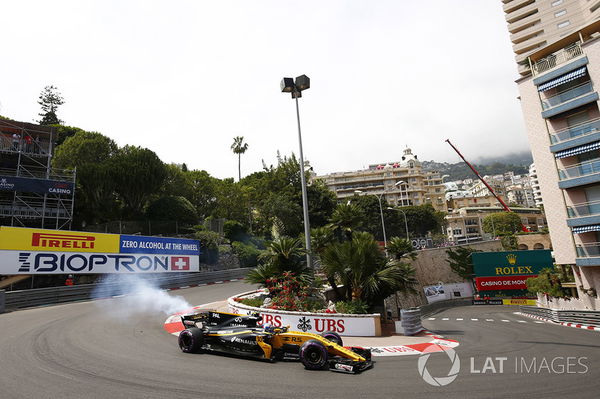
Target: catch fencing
(57,295)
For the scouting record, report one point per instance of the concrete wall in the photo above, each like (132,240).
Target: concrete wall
(431,267)
(532,239)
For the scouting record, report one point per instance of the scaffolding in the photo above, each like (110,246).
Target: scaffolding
(32,193)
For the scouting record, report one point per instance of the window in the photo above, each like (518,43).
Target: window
(563,24)
(557,3)
(560,13)
(457,232)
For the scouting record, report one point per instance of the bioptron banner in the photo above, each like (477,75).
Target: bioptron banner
(38,251)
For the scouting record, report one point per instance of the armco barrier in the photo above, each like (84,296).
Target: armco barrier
(588,317)
(440,305)
(56,295)
(1,301)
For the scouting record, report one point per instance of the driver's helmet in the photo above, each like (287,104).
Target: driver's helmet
(268,328)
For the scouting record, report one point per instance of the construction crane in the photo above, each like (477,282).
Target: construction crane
(506,208)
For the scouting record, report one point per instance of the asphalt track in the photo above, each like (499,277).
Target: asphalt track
(78,351)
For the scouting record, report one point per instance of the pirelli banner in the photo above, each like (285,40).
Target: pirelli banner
(505,271)
(37,251)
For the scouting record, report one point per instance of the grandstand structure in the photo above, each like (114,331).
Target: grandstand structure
(32,192)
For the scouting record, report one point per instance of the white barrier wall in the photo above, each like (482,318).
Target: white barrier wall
(363,325)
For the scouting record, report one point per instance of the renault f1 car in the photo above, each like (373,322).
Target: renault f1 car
(242,335)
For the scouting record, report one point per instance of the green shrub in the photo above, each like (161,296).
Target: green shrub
(234,231)
(172,208)
(255,302)
(246,253)
(352,307)
(209,246)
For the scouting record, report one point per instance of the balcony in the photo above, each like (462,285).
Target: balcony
(521,13)
(556,59)
(581,174)
(567,95)
(513,5)
(583,214)
(588,254)
(577,131)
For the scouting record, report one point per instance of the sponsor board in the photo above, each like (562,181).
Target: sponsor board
(26,239)
(317,324)
(501,283)
(30,262)
(488,302)
(443,291)
(158,245)
(511,263)
(520,302)
(33,185)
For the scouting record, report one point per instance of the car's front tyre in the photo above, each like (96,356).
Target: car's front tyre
(313,355)
(191,340)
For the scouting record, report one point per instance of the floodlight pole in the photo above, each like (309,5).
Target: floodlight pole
(304,195)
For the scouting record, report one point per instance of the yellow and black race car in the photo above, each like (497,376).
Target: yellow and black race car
(237,334)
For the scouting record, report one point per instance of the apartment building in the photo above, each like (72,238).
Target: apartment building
(559,98)
(520,194)
(535,24)
(400,183)
(535,186)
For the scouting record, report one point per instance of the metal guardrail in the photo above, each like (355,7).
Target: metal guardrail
(588,317)
(450,303)
(55,295)
(1,301)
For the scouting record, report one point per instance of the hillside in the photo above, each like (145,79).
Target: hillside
(517,163)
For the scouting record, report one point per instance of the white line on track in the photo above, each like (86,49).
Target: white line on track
(489,319)
(506,321)
(431,318)
(445,318)
(459,319)
(539,322)
(521,321)
(474,319)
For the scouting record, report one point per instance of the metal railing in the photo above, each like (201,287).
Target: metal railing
(588,317)
(567,95)
(584,209)
(55,295)
(558,58)
(7,143)
(40,173)
(581,129)
(582,169)
(588,250)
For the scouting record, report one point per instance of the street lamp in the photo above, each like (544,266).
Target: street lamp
(381,212)
(288,85)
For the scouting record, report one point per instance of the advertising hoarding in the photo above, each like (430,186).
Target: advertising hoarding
(33,185)
(40,251)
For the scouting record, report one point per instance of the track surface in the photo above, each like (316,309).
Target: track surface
(77,351)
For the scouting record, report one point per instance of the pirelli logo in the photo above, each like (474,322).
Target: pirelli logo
(53,240)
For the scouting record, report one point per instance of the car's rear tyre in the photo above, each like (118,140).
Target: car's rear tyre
(191,340)
(333,337)
(313,355)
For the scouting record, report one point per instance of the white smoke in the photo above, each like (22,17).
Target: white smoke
(137,296)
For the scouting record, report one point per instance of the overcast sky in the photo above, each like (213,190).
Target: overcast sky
(184,77)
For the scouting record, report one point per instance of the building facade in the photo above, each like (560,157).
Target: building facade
(559,98)
(399,183)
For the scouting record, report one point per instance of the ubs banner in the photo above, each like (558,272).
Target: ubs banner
(501,271)
(37,251)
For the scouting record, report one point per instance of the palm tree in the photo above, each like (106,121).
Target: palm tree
(239,147)
(400,247)
(363,269)
(282,255)
(345,219)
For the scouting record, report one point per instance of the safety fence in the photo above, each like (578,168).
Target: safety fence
(440,305)
(56,295)
(588,317)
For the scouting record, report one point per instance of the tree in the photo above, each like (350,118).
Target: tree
(547,282)
(91,154)
(502,223)
(239,147)
(461,261)
(364,271)
(346,219)
(172,208)
(49,100)
(400,247)
(282,255)
(138,174)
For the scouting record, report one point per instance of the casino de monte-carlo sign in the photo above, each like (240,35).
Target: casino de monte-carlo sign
(41,251)
(508,270)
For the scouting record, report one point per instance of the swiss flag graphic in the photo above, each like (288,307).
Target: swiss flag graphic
(180,263)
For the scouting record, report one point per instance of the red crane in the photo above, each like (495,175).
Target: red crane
(506,208)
